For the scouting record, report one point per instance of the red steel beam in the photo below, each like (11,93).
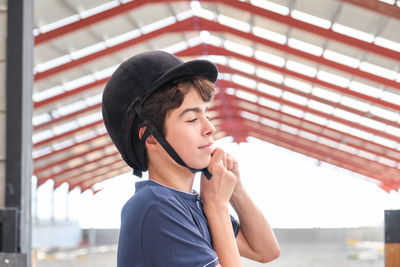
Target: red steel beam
(68,133)
(112,49)
(227,84)
(58,181)
(214,50)
(318,149)
(243,6)
(203,24)
(54,152)
(102,171)
(53,121)
(90,20)
(63,161)
(327,33)
(65,94)
(306,152)
(227,69)
(380,7)
(299,126)
(64,171)
(320,133)
(101,178)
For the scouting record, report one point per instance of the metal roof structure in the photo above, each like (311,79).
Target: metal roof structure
(321,78)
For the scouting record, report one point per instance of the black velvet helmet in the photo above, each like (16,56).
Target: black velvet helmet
(129,86)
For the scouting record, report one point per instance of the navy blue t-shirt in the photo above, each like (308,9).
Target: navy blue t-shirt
(161,226)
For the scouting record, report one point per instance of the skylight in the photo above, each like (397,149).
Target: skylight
(377,70)
(45,94)
(88,50)
(269,35)
(353,32)
(269,89)
(367,155)
(270,123)
(244,81)
(158,24)
(339,126)
(346,115)
(309,136)
(98,9)
(270,58)
(314,118)
(387,161)
(52,63)
(268,75)
(387,43)
(292,111)
(298,85)
(301,68)
(271,6)
(393,130)
(269,103)
(249,116)
(288,129)
(361,134)
(76,83)
(320,106)
(385,142)
(306,47)
(372,123)
(242,66)
(332,78)
(365,89)
(234,23)
(65,127)
(41,118)
(326,94)
(384,113)
(40,136)
(317,21)
(246,95)
(340,58)
(59,23)
(90,118)
(238,48)
(68,109)
(353,103)
(391,97)
(295,98)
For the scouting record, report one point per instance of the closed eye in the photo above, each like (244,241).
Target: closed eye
(192,120)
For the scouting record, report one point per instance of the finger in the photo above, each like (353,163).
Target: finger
(216,159)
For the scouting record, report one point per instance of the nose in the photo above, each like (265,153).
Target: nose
(209,128)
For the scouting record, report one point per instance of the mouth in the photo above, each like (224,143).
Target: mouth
(209,146)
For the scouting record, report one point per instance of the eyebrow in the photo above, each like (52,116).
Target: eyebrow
(196,110)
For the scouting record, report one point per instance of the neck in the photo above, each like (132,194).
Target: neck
(171,175)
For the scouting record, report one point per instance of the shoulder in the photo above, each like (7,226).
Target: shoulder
(149,196)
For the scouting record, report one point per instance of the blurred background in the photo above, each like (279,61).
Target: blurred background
(308,101)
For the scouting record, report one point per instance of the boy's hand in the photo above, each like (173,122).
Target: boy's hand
(225,174)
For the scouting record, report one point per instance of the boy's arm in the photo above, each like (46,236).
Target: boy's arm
(255,239)
(215,194)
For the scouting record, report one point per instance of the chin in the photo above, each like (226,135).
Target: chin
(200,164)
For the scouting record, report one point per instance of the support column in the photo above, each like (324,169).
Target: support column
(392,238)
(18,140)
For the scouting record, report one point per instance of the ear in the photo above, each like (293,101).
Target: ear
(150,142)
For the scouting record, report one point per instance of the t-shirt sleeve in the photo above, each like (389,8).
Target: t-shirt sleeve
(170,237)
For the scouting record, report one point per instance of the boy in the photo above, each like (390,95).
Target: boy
(155,111)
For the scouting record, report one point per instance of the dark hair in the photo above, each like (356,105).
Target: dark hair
(157,106)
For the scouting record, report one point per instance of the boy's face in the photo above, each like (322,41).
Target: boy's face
(189,131)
